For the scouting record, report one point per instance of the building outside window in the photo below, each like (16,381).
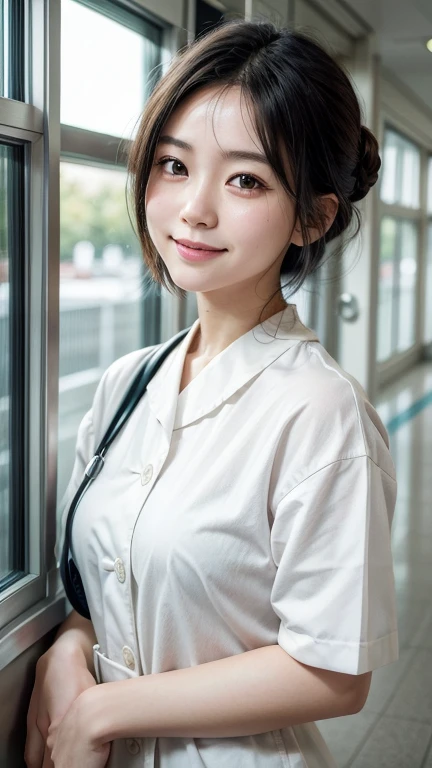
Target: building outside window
(105,310)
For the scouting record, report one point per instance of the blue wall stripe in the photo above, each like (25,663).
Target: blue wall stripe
(404,416)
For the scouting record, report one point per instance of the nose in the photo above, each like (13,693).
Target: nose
(199,206)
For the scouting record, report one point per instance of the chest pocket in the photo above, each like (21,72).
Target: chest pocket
(108,671)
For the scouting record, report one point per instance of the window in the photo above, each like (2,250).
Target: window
(12,49)
(397,287)
(105,311)
(428,286)
(12,488)
(429,192)
(101,277)
(4,50)
(22,483)
(398,262)
(386,287)
(105,87)
(105,308)
(428,280)
(401,171)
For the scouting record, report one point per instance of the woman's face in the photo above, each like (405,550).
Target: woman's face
(200,193)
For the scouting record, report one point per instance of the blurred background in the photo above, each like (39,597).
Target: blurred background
(74,296)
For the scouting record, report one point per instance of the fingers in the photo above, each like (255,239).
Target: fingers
(34,749)
(47,762)
(35,743)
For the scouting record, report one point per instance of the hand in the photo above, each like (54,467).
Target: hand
(71,741)
(61,676)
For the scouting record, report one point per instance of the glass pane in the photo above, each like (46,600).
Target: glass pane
(101,278)
(409,192)
(389,169)
(385,287)
(407,281)
(12,49)
(11,367)
(104,88)
(5,564)
(401,171)
(4,39)
(428,299)
(429,193)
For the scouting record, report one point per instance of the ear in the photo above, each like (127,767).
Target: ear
(330,205)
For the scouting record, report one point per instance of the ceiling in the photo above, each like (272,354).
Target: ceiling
(402,28)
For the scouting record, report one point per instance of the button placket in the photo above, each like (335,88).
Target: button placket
(147,474)
(128,657)
(133,746)
(120,570)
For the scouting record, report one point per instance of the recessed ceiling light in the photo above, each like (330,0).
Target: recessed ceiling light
(429,45)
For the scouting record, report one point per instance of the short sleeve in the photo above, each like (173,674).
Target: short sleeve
(334,588)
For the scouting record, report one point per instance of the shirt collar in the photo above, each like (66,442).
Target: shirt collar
(231,369)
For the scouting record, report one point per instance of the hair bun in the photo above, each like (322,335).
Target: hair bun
(366,170)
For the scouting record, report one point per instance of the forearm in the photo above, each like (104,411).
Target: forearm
(76,636)
(253,692)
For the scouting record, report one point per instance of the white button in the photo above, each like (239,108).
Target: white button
(128,656)
(146,474)
(132,746)
(120,569)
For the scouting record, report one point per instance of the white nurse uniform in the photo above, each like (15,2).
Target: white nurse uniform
(252,509)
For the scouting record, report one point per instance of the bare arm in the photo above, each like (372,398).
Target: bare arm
(253,692)
(76,636)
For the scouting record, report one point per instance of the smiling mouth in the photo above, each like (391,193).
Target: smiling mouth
(195,254)
(207,248)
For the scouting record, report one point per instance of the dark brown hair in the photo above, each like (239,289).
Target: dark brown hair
(300,98)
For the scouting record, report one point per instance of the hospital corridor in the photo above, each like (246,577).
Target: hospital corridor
(394,727)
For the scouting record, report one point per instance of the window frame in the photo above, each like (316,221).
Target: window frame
(24,123)
(398,362)
(16,235)
(35,604)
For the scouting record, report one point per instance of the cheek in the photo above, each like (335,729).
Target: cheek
(158,204)
(264,224)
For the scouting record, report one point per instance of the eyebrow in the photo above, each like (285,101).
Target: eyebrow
(236,154)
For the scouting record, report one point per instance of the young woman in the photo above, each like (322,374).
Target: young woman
(235,551)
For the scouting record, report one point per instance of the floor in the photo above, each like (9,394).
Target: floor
(394,729)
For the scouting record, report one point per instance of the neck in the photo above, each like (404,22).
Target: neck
(219,327)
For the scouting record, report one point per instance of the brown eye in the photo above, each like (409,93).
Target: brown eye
(249,181)
(175,165)
(172,160)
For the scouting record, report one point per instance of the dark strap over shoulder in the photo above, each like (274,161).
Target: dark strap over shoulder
(68,571)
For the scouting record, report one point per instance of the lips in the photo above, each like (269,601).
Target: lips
(198,246)
(196,253)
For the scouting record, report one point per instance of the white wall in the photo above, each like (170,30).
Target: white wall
(357,340)
(400,106)
(275,11)
(307,17)
(171,11)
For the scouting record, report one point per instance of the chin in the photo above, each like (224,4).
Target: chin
(188,277)
(193,286)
